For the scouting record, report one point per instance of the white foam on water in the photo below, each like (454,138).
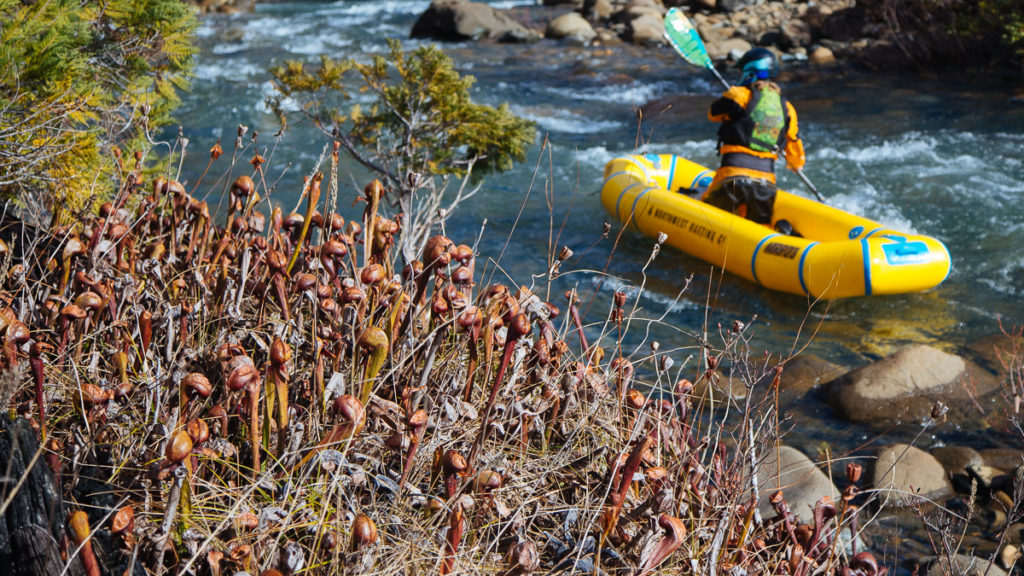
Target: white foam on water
(237,70)
(324,42)
(205,29)
(636,93)
(288,104)
(373,10)
(595,157)
(262,30)
(564,121)
(1008,278)
(228,48)
(700,151)
(662,303)
(915,147)
(506,4)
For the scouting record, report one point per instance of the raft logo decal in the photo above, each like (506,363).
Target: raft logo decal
(672,219)
(702,181)
(904,253)
(701,231)
(780,249)
(856,231)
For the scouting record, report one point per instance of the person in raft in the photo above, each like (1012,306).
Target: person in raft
(756,123)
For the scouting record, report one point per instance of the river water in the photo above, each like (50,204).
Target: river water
(934,155)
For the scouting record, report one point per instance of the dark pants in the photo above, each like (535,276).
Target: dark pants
(751,198)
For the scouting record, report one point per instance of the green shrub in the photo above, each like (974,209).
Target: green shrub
(81,85)
(421,121)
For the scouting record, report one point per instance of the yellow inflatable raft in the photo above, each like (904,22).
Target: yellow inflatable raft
(835,254)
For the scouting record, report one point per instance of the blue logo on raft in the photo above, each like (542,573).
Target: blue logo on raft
(702,181)
(856,231)
(903,253)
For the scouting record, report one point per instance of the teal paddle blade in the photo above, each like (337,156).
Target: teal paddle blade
(685,40)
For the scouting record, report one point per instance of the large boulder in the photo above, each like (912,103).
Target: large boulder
(571,27)
(905,475)
(905,387)
(801,480)
(647,29)
(455,20)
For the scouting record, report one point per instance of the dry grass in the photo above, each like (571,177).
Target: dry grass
(262,396)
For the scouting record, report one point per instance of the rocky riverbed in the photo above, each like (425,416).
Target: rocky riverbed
(942,442)
(822,32)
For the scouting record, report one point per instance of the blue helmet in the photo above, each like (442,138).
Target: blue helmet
(757,64)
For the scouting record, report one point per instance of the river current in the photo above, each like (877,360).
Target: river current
(935,155)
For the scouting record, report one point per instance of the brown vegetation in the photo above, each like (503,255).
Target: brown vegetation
(280,395)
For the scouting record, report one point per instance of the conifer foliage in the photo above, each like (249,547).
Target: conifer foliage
(82,84)
(421,120)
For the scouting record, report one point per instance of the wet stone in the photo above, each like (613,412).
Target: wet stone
(956,459)
(905,475)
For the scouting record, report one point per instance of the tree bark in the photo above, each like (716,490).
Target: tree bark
(32,526)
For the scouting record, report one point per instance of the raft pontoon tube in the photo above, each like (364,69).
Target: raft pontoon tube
(836,254)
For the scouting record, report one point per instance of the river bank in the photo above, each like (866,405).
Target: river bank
(893,149)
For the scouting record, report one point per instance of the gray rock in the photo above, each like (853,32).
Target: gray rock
(724,389)
(1006,459)
(905,387)
(462,20)
(796,33)
(571,27)
(956,459)
(801,480)
(806,372)
(905,475)
(647,29)
(639,7)
(597,10)
(732,5)
(821,56)
(964,565)
(722,50)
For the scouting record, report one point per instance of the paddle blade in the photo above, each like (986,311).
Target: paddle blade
(681,34)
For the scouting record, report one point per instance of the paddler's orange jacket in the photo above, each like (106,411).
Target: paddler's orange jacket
(730,107)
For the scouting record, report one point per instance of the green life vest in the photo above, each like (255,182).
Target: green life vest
(761,126)
(768,113)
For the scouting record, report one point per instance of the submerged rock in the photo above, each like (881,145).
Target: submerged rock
(806,372)
(956,459)
(906,386)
